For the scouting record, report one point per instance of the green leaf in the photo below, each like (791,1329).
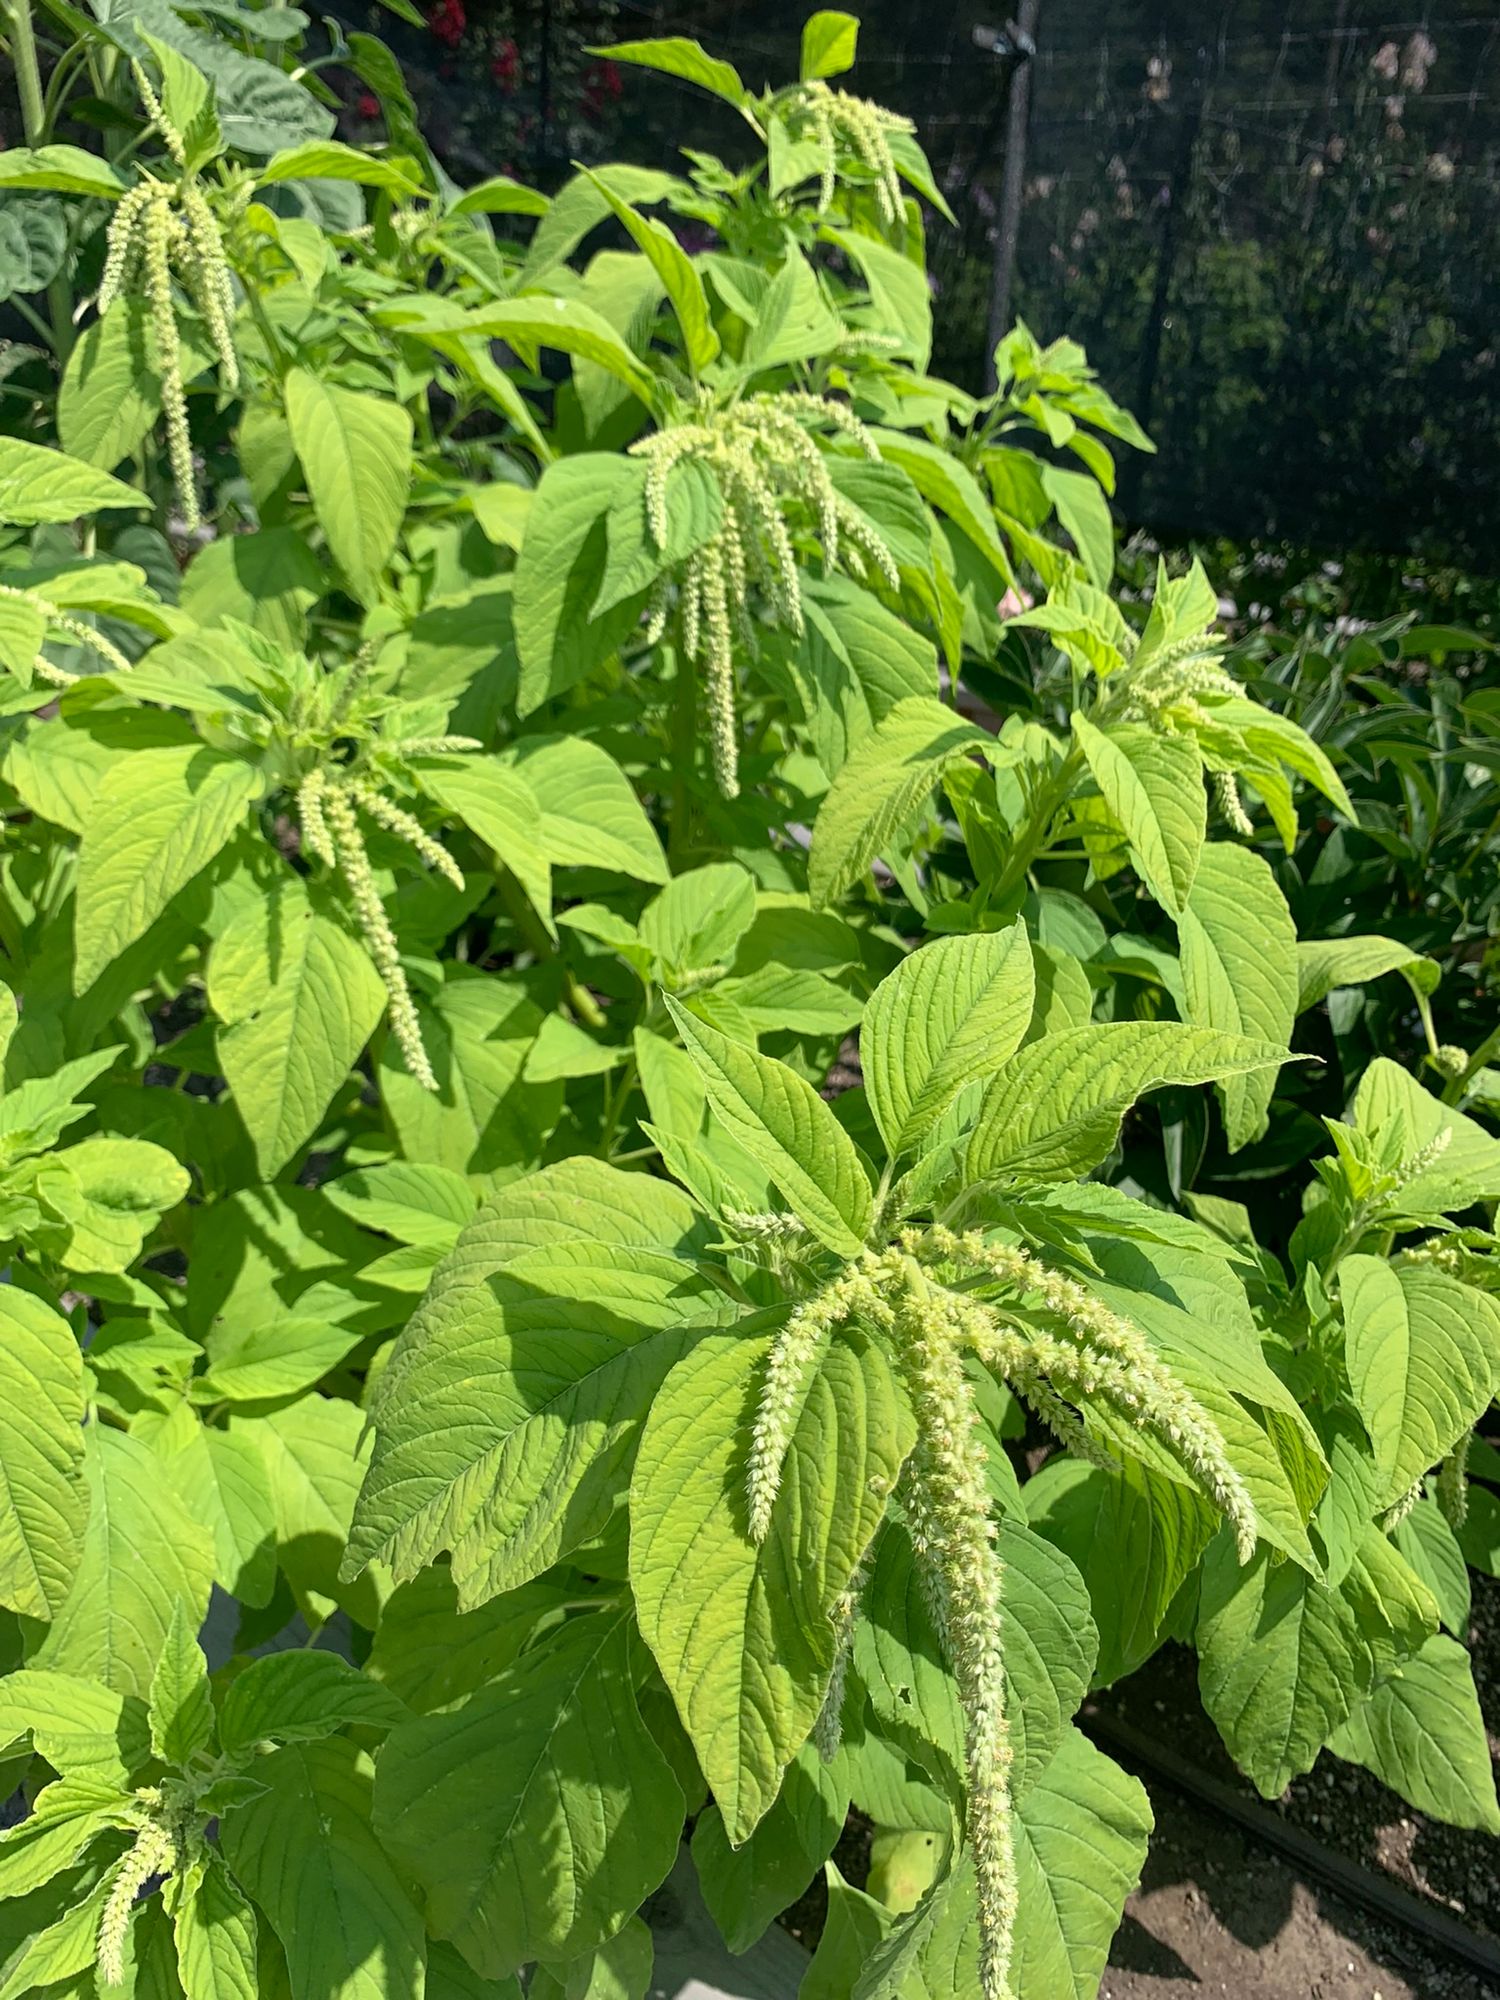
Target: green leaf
(298,1697)
(564,325)
(590,816)
(43,1503)
(1422,1734)
(82,1729)
(1084,512)
(1081,1840)
(1054,1110)
(356,455)
(511,1410)
(124,1185)
(1239,971)
(1133,1536)
(741,1632)
(111,388)
(854,1926)
(1432,1549)
(64,169)
(1390,1101)
(38,485)
(255,1362)
(1282,1660)
(52,1839)
(215,1932)
(1326,963)
(305,1853)
(698,919)
(784,1126)
(746,1888)
(948,484)
(1423,1354)
(298,999)
(328,160)
(878,794)
(143,1557)
(222,1480)
(552,1758)
(181,1707)
(559,572)
(793,322)
(675,55)
(1153,785)
(855,662)
(63,1949)
(495,802)
(675,268)
(415,1204)
(946,1017)
(159,816)
(829,41)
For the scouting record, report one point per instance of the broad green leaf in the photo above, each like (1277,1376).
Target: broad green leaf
(328,160)
(1054,1110)
(305,1852)
(66,1947)
(268,580)
(1276,739)
(110,394)
(698,919)
(485,1118)
(425,1205)
(315,1452)
(590,816)
(510,1410)
(949,485)
(430,1654)
(551,1759)
(143,1557)
(1282,1661)
(256,1362)
(829,42)
(565,325)
(741,1632)
(83,1730)
(633,557)
(675,55)
(300,1696)
(856,660)
(1081,1841)
(222,1480)
(298,998)
(124,1185)
(356,455)
(559,571)
(878,794)
(63,169)
(1084,512)
(1326,963)
(1133,1536)
(495,802)
(1422,1734)
(675,269)
(214,1930)
(898,287)
(181,1708)
(1239,971)
(1432,1549)
(792,321)
(746,1888)
(52,1839)
(159,816)
(1423,1354)
(1153,785)
(43,1503)
(784,1126)
(949,1015)
(38,485)
(855,1924)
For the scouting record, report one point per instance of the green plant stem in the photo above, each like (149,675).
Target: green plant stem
(684,724)
(1031,836)
(526,921)
(34,124)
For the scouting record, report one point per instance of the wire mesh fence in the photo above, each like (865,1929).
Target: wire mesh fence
(1273,224)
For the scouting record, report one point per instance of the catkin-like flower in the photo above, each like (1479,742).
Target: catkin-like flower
(354,866)
(794,1351)
(315,835)
(152,1853)
(1397,1512)
(406,826)
(866,129)
(1451,1487)
(1231,805)
(206,270)
(81,633)
(1416,1164)
(157,225)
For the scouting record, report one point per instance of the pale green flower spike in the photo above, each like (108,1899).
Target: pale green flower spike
(1450,1060)
(764,459)
(395,819)
(155,1850)
(339,819)
(1231,805)
(76,629)
(1451,1487)
(1397,1512)
(315,835)
(159,230)
(866,129)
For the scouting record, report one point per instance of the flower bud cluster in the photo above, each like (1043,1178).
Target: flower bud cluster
(155,1853)
(865,129)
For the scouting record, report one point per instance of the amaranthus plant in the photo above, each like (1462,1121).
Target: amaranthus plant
(613,971)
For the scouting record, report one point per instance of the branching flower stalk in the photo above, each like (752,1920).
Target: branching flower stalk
(160,231)
(157,1851)
(766,462)
(1059,1346)
(75,628)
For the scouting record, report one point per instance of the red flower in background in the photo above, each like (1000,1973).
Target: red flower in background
(367,104)
(601,84)
(506,68)
(447,20)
